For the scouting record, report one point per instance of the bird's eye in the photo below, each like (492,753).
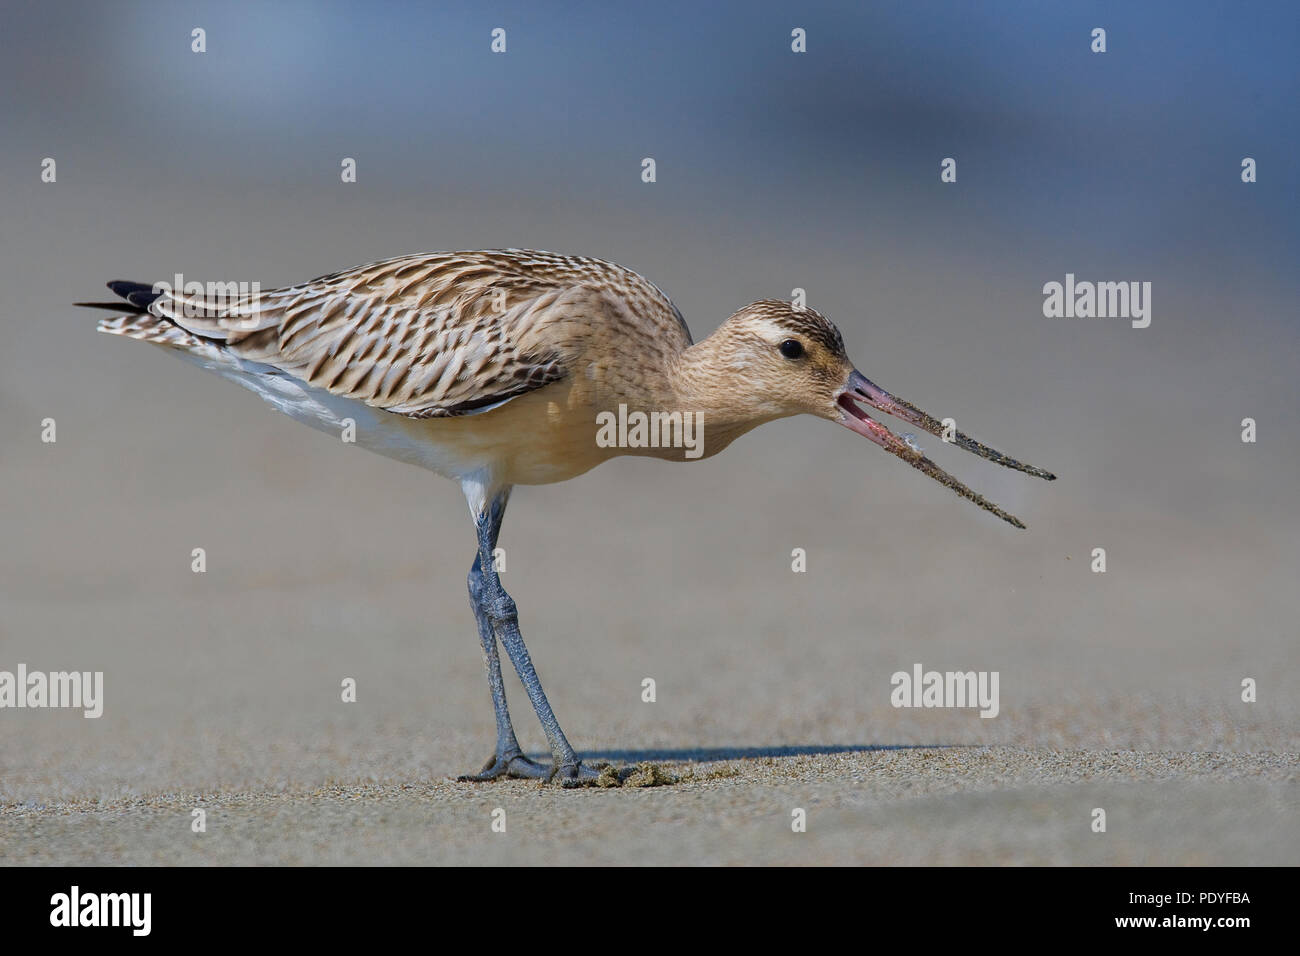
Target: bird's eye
(791,348)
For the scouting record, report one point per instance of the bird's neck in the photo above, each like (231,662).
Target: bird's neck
(696,381)
(646,406)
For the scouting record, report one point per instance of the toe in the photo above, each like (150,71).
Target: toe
(521,768)
(574,775)
(513,764)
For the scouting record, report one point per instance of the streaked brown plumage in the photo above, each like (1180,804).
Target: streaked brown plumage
(492,368)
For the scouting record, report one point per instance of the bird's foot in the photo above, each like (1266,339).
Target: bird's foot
(577,774)
(511,765)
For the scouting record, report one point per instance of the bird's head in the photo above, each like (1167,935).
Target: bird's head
(792,361)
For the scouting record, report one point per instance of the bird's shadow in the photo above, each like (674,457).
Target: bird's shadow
(708,754)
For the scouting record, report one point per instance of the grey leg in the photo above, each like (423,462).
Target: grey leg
(509,759)
(497,607)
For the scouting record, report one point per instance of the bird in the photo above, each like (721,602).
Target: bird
(505,367)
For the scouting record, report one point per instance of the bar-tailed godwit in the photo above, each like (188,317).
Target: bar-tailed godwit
(498,368)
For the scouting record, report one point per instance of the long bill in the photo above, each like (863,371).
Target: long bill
(860,389)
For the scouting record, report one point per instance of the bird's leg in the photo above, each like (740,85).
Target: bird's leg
(509,759)
(503,617)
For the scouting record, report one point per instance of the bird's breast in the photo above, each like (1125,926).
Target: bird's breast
(538,438)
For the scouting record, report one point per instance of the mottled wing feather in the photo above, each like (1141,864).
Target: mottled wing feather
(433,335)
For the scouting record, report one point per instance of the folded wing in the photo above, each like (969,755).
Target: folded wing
(424,336)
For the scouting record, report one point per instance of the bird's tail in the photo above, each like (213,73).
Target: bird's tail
(137,293)
(143,325)
(151,328)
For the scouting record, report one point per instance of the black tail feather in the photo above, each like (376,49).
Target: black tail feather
(137,293)
(117,307)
